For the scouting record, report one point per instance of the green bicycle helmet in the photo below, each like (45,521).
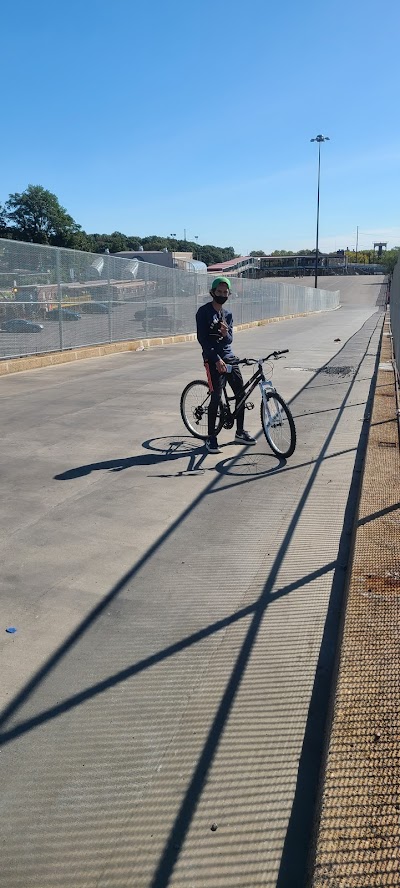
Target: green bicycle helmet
(221,280)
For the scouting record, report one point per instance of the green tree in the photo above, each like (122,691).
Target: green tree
(36,216)
(3,222)
(133,242)
(257,253)
(118,242)
(282,253)
(154,242)
(362,257)
(212,255)
(99,242)
(389,259)
(81,241)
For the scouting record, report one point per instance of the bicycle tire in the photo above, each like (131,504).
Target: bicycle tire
(194,402)
(281,431)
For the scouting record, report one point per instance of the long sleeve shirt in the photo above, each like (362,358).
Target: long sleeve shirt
(214,345)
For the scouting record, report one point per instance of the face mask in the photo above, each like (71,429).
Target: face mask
(219,299)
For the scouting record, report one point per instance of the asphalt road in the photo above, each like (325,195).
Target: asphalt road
(176,612)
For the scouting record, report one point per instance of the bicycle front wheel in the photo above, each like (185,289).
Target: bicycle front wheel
(278,424)
(195,401)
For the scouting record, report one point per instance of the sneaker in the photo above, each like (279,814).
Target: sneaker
(244,438)
(212,445)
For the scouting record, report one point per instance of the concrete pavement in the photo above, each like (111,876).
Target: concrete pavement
(175,630)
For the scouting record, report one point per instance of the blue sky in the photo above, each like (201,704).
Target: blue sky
(153,118)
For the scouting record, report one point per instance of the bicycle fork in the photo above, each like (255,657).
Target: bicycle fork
(274,415)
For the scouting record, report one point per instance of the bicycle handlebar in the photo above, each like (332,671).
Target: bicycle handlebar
(249,361)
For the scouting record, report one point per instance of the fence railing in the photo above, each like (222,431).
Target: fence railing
(395,313)
(53,299)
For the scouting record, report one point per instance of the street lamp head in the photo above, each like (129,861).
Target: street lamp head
(320,138)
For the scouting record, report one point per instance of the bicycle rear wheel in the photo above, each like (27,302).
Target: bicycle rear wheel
(195,400)
(278,424)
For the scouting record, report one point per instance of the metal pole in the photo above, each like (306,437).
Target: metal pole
(109,301)
(316,244)
(320,138)
(59,298)
(357,246)
(146,315)
(107,255)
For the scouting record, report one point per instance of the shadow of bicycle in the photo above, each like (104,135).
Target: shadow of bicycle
(252,462)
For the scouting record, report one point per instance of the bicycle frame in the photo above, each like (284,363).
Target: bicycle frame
(258,378)
(275,414)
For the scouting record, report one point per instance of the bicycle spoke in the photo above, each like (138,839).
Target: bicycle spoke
(195,401)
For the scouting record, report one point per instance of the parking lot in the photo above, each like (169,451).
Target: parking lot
(120,323)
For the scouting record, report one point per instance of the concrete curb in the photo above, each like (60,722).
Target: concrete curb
(49,359)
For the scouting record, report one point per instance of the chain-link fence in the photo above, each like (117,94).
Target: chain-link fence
(53,299)
(395,313)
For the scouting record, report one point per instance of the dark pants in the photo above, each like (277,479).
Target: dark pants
(216,381)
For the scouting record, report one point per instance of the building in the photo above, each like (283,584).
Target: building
(241,266)
(156,257)
(184,261)
(295,265)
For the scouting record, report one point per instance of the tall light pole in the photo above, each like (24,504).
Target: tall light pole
(318,139)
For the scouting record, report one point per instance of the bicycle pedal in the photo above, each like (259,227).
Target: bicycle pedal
(249,405)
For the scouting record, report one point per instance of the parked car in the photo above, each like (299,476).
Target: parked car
(163,324)
(66,315)
(153,311)
(94,308)
(19,325)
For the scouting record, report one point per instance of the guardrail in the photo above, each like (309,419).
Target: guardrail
(53,299)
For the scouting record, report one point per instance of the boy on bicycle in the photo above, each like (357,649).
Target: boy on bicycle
(215,335)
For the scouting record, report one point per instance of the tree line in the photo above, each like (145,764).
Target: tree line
(36,216)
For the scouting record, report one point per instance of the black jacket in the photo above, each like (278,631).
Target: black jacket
(213,344)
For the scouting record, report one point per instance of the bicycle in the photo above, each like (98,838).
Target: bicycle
(276,419)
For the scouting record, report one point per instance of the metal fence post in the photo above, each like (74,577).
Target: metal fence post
(59,297)
(146,317)
(107,252)
(174,274)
